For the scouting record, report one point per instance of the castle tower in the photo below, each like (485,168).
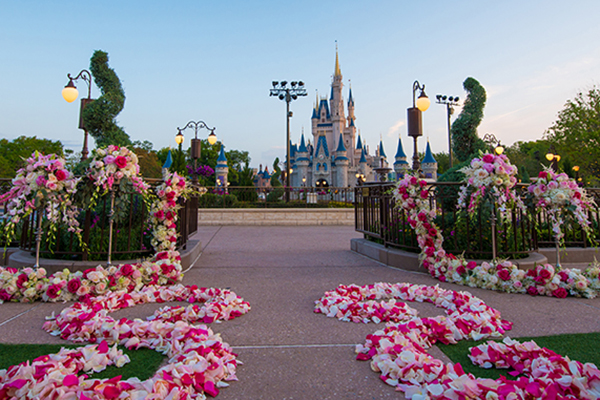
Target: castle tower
(350,131)
(321,170)
(222,169)
(302,162)
(429,165)
(341,164)
(400,165)
(381,154)
(338,119)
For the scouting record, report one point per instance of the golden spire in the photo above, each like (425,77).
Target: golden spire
(338,72)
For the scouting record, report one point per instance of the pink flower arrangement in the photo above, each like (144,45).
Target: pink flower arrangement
(559,195)
(494,275)
(43,184)
(491,174)
(163,212)
(111,164)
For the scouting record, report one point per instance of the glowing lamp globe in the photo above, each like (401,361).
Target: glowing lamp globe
(179,138)
(549,156)
(423,102)
(212,138)
(499,149)
(70,92)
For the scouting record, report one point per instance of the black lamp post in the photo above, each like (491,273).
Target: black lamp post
(196,146)
(415,121)
(70,93)
(288,93)
(494,143)
(450,103)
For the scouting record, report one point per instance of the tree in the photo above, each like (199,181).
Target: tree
(576,133)
(465,141)
(13,153)
(150,165)
(99,116)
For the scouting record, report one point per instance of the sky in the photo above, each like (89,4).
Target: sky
(214,61)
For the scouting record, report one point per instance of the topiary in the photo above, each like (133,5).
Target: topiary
(465,141)
(99,115)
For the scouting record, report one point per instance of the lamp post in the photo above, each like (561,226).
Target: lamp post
(494,143)
(450,103)
(70,93)
(288,93)
(553,158)
(196,146)
(415,122)
(179,140)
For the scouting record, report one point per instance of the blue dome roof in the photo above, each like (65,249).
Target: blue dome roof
(428,156)
(341,146)
(381,151)
(169,160)
(302,148)
(362,157)
(400,152)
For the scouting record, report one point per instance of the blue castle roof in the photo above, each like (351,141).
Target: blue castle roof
(324,104)
(169,160)
(350,99)
(341,148)
(400,152)
(322,143)
(222,160)
(315,115)
(362,156)
(428,156)
(381,151)
(359,143)
(302,148)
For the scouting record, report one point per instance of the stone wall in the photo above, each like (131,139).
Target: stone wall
(276,216)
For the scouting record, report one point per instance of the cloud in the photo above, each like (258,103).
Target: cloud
(394,130)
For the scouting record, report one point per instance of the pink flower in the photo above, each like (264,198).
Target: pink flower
(532,290)
(73,285)
(561,293)
(488,158)
(121,161)
(61,175)
(471,265)
(40,181)
(53,291)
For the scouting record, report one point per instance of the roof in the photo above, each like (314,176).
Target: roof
(400,152)
(222,160)
(322,145)
(302,148)
(351,122)
(381,151)
(362,156)
(337,71)
(169,160)
(324,104)
(428,156)
(350,99)
(358,143)
(341,146)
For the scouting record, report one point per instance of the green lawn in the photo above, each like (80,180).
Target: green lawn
(144,362)
(583,347)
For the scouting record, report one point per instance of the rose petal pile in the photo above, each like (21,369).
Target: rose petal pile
(199,361)
(399,351)
(410,196)
(163,213)
(560,195)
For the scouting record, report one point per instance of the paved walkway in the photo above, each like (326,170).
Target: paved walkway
(288,351)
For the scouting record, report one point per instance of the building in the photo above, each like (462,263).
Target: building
(336,155)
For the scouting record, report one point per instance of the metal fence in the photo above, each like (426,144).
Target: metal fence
(131,230)
(377,217)
(276,197)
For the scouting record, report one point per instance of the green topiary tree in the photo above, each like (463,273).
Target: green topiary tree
(99,116)
(465,142)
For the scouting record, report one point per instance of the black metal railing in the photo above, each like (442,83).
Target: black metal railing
(274,197)
(131,229)
(514,237)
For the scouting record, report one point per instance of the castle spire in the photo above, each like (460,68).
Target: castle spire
(337,72)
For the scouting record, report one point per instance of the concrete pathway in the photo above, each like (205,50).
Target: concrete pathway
(288,351)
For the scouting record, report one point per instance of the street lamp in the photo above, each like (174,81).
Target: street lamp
(196,146)
(415,122)
(288,93)
(450,103)
(553,158)
(577,178)
(70,93)
(494,143)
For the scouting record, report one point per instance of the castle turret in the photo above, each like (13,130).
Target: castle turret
(400,165)
(341,164)
(338,119)
(222,170)
(302,161)
(429,165)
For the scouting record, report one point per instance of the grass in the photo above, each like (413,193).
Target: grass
(582,347)
(144,362)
